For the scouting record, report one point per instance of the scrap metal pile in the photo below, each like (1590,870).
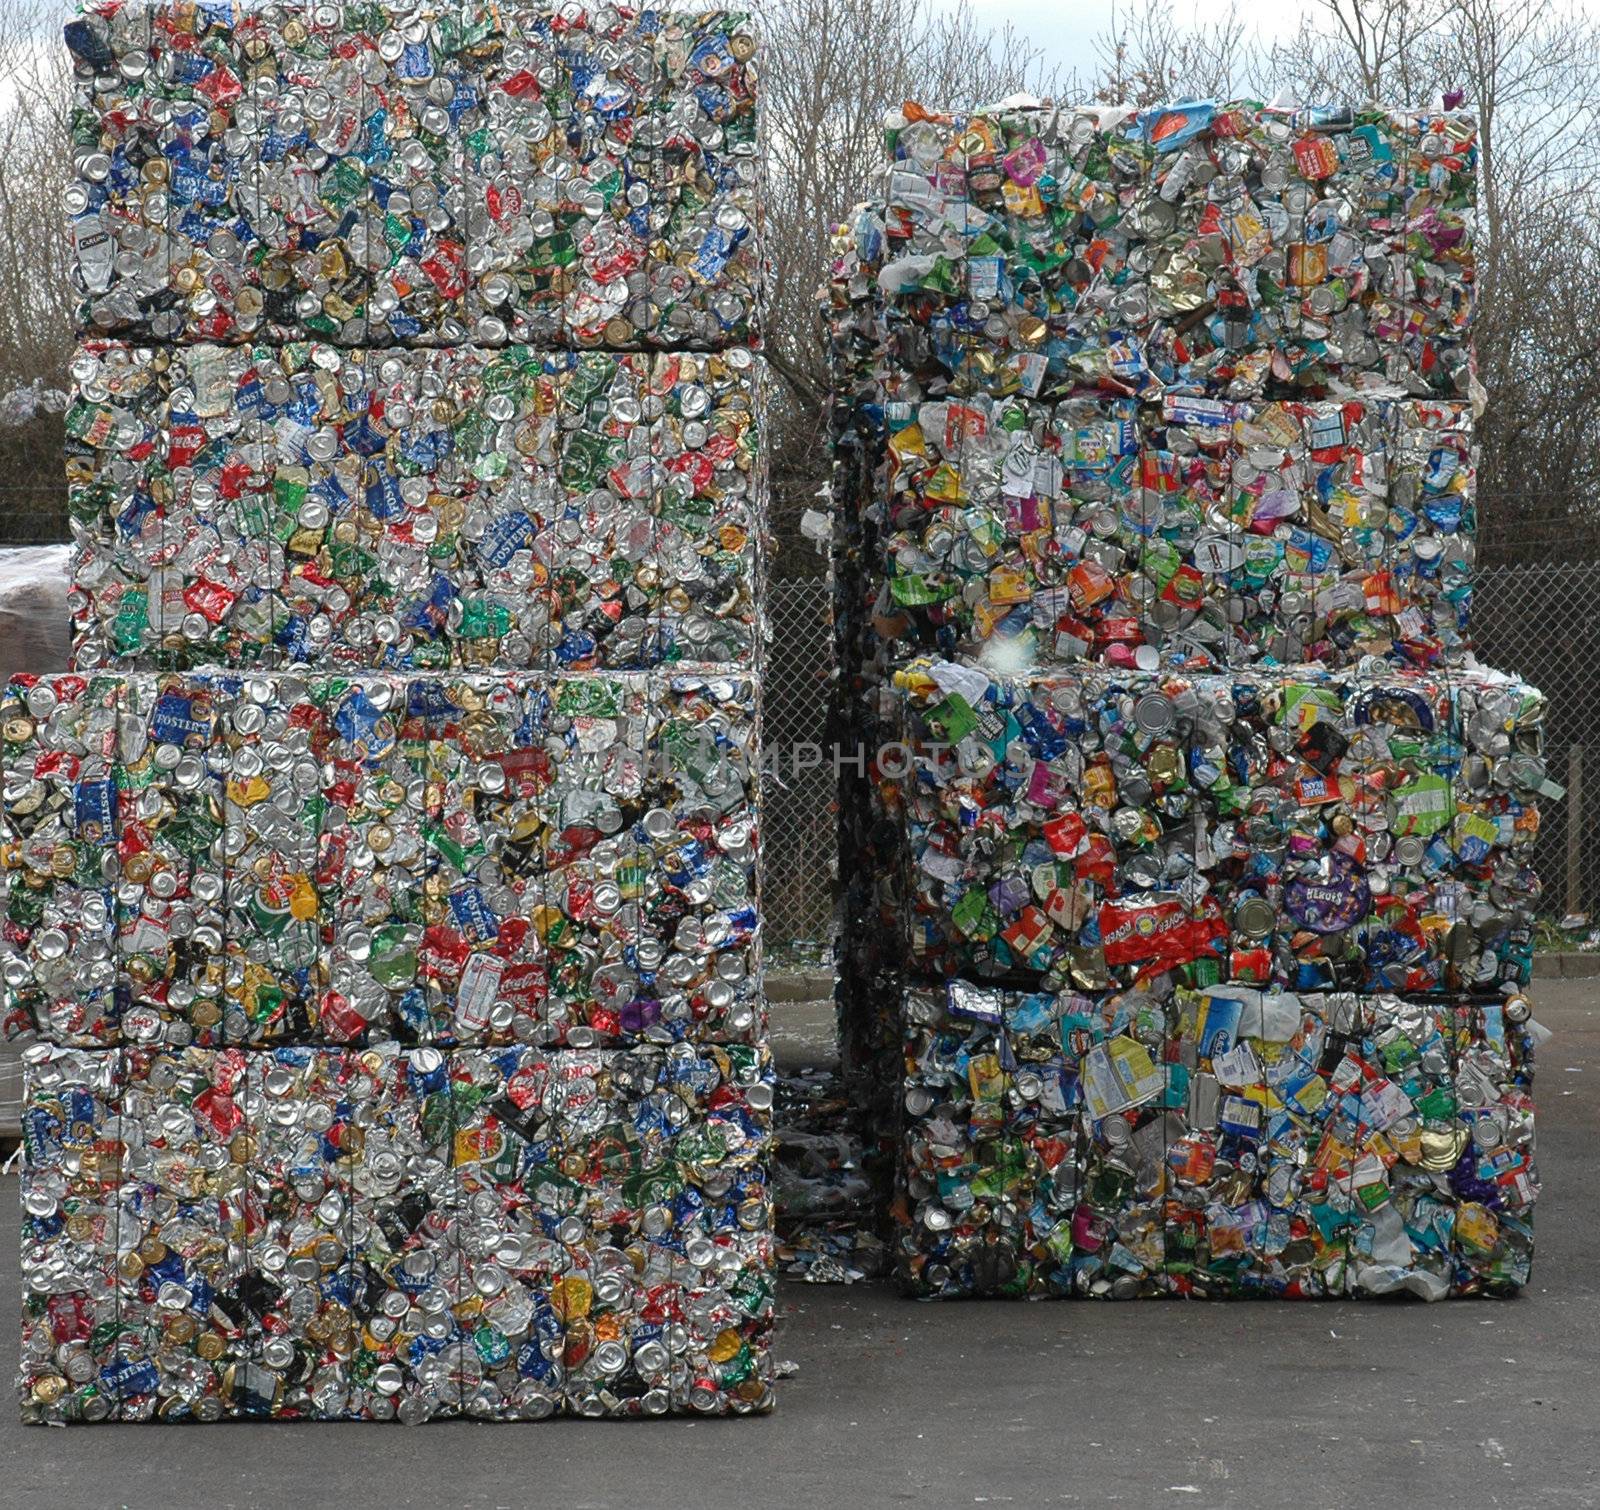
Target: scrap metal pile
(382,877)
(1188,898)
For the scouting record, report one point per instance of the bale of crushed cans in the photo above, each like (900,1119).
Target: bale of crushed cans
(1367,830)
(221,858)
(1113,414)
(395,1232)
(432,174)
(1222,249)
(381,882)
(869,901)
(1020,531)
(1153,527)
(1220,1141)
(489,508)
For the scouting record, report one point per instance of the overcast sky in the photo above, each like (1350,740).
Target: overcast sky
(1065,32)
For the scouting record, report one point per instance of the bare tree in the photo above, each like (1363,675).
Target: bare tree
(35,296)
(1147,56)
(1362,49)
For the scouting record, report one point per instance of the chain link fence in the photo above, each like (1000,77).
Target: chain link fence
(1540,621)
(797,818)
(33,478)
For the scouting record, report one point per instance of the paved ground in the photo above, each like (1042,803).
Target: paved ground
(1467,1404)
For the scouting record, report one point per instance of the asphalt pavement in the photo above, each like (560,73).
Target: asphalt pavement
(1469,1403)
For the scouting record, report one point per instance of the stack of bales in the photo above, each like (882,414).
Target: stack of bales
(382,879)
(1189,901)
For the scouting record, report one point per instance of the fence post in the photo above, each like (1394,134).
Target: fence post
(1574,829)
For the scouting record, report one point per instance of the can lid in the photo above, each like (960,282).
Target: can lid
(1254,917)
(1153,713)
(1409,850)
